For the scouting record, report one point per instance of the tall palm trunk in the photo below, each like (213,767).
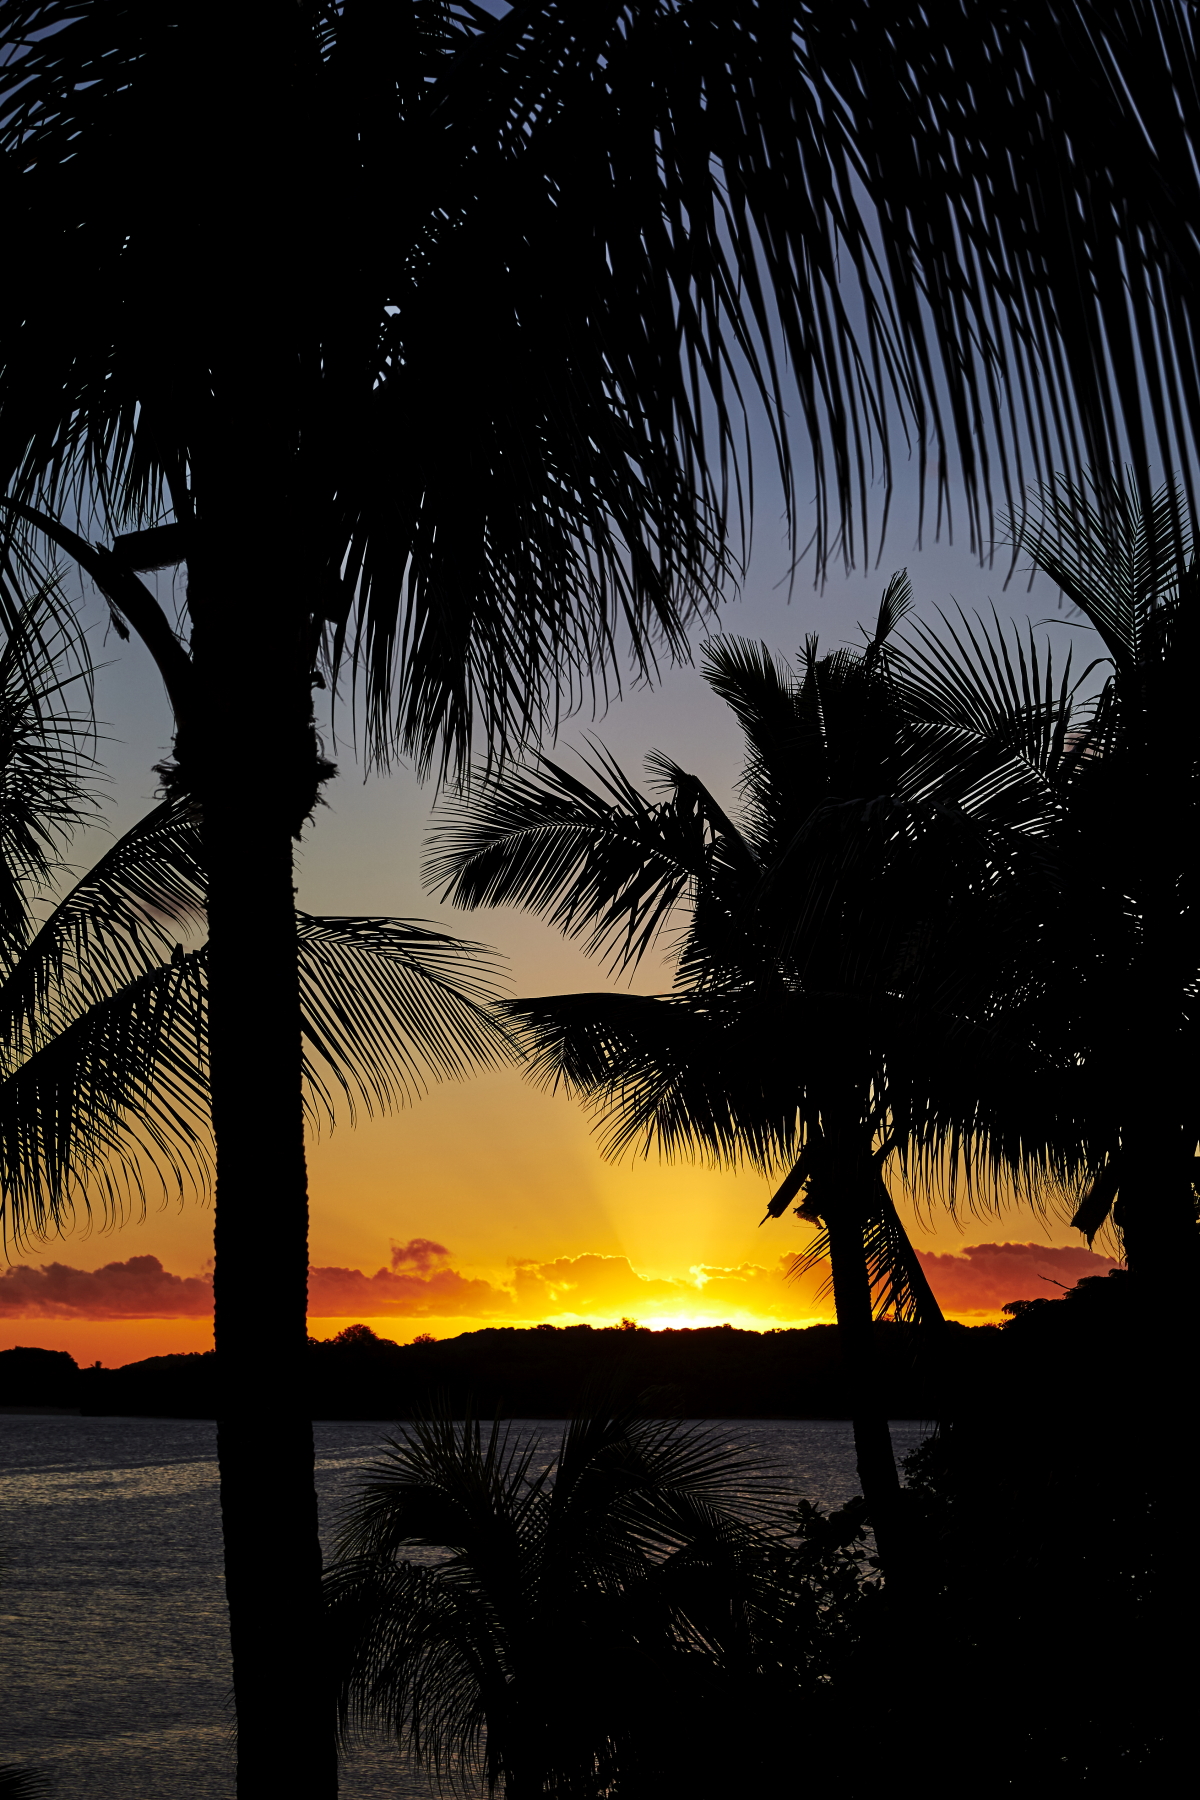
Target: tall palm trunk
(252,758)
(856,1335)
(845,1202)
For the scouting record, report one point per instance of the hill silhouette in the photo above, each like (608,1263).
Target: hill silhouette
(545,1371)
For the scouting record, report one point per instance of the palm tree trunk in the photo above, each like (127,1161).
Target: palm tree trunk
(247,742)
(856,1334)
(845,1204)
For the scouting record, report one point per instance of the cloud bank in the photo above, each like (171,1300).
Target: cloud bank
(138,1289)
(985,1277)
(420,1283)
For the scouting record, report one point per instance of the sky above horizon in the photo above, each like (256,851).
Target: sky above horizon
(488,1201)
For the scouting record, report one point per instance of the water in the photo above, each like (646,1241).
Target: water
(114,1660)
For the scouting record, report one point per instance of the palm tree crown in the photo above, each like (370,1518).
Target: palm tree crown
(832,1006)
(558,1623)
(1119,964)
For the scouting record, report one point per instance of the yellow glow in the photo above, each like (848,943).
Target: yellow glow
(535,1228)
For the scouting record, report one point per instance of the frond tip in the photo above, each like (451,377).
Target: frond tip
(390,1006)
(103,1029)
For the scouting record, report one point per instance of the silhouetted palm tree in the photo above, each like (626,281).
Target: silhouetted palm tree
(583,1614)
(424,331)
(1091,956)
(103,994)
(1117,959)
(830,982)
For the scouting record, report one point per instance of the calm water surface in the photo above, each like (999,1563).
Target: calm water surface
(114,1658)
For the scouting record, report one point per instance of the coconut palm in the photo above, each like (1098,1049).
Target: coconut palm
(103,992)
(557,1623)
(1119,958)
(831,1000)
(420,335)
(104,1069)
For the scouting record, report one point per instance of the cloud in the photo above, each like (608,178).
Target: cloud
(138,1289)
(579,1284)
(589,1283)
(985,1277)
(421,1284)
(422,1253)
(428,1292)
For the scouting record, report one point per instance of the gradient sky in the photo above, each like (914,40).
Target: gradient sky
(488,1202)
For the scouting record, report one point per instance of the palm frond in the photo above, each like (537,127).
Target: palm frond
(656,1480)
(600,862)
(1097,1200)
(416,1661)
(1116,554)
(20,1783)
(758,687)
(896,602)
(640,1538)
(116,1095)
(899,1286)
(991,728)
(133,905)
(45,751)
(389,1006)
(115,1091)
(445,1484)
(994,1105)
(682,1076)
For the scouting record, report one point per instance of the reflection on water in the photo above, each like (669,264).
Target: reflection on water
(113,1641)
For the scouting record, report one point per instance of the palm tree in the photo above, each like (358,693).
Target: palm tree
(421,337)
(582,1614)
(104,1072)
(826,1012)
(103,993)
(1118,956)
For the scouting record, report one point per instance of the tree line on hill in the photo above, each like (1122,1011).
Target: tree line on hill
(548,1372)
(649,1615)
(678,1601)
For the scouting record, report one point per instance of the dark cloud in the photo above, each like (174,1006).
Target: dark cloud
(985,1277)
(421,1254)
(426,1293)
(138,1289)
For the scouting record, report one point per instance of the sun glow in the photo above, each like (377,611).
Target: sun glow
(706,1321)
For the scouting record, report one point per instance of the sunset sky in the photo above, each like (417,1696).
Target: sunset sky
(488,1203)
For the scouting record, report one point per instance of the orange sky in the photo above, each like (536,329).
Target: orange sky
(522,1222)
(520,1219)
